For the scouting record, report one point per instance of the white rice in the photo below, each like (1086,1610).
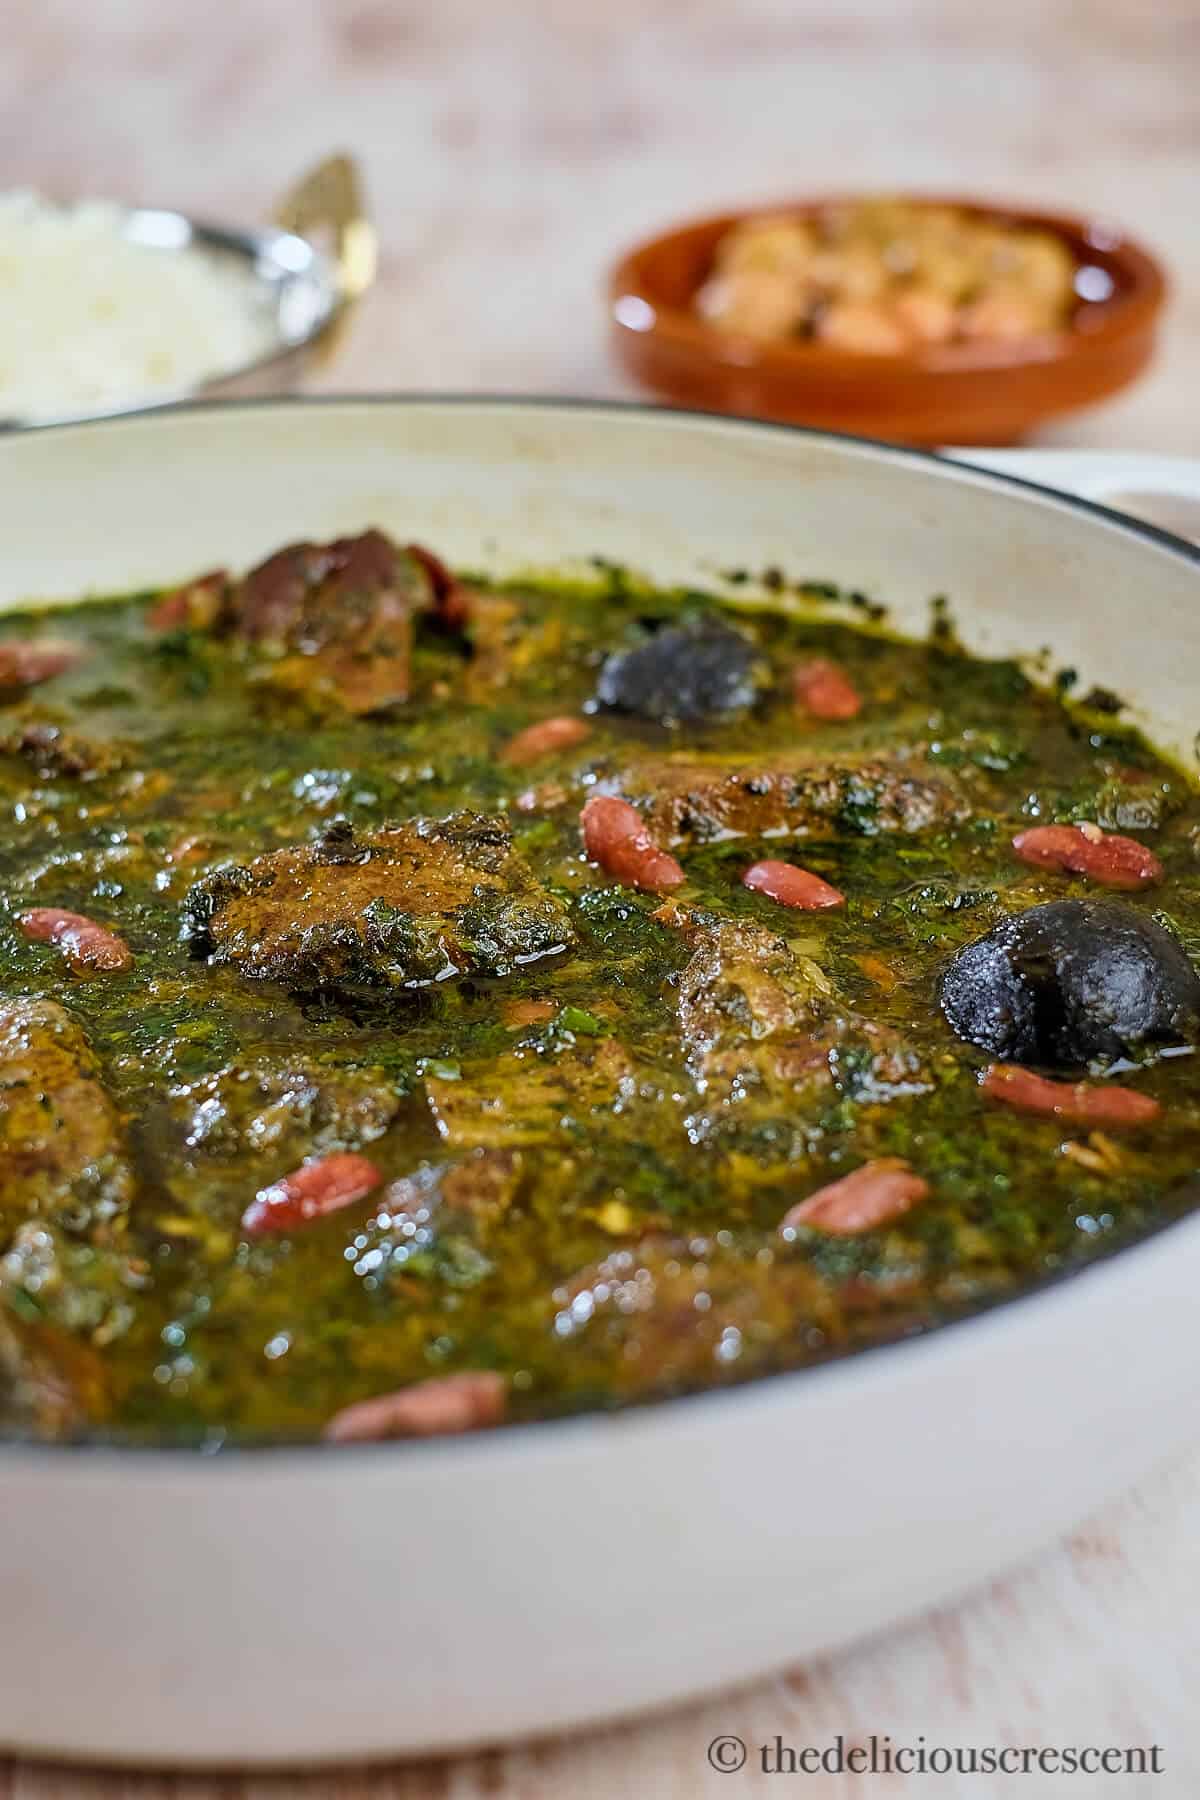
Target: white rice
(90,321)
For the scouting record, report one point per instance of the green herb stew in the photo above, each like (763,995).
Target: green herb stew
(425,1003)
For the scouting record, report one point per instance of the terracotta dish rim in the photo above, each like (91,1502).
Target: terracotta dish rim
(1141,288)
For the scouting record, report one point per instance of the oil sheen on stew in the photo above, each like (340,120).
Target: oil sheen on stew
(426,1004)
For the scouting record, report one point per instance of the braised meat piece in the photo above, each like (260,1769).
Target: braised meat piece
(401,907)
(1072,980)
(335,619)
(690,799)
(340,617)
(762,1028)
(521,1100)
(53,752)
(289,1110)
(472,1198)
(64,1291)
(677,1313)
(242,1143)
(683,674)
(742,986)
(61,1148)
(484,1186)
(51,1385)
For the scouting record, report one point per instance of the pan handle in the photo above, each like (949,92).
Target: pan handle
(1163,490)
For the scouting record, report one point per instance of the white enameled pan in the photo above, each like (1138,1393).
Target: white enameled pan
(291,1605)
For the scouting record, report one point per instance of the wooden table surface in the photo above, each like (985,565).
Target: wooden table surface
(511,150)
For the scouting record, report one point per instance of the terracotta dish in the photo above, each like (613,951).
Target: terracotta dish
(966,393)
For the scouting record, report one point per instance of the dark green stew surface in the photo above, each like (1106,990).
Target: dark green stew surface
(332,1065)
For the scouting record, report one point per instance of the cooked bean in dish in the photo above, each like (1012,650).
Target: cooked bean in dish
(886,277)
(425,1004)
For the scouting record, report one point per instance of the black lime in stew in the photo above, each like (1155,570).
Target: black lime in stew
(426,1003)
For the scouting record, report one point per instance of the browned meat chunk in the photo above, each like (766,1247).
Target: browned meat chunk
(83,1287)
(494,629)
(744,985)
(484,1186)
(336,622)
(289,1110)
(524,1099)
(475,1194)
(338,616)
(689,799)
(506,643)
(53,752)
(51,1385)
(761,1027)
(61,1148)
(402,907)
(674,1314)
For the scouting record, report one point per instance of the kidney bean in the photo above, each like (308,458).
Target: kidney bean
(90,948)
(437,1408)
(544,738)
(792,886)
(1103,856)
(1081,1102)
(309,1192)
(615,837)
(824,691)
(871,1196)
(28,664)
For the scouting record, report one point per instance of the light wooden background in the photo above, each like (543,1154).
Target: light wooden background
(511,149)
